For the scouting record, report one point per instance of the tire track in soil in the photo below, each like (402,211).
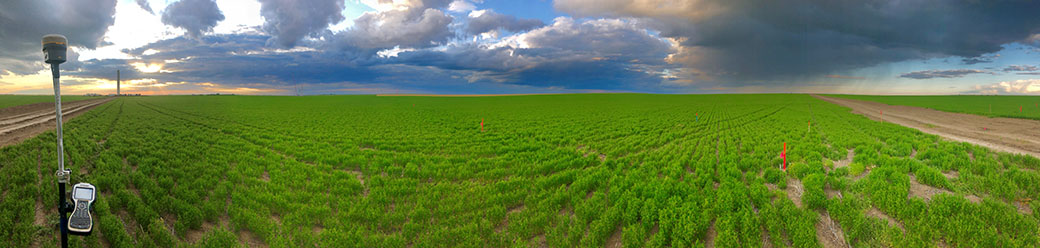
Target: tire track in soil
(1002,134)
(16,129)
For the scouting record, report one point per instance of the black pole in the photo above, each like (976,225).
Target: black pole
(64,218)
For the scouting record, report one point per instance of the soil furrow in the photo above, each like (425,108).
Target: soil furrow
(33,121)
(1002,134)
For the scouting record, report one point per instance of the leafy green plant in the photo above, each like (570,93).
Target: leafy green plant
(651,170)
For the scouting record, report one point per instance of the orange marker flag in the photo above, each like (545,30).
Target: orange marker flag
(784,155)
(481,124)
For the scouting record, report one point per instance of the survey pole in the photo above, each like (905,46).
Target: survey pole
(54,49)
(62,174)
(57,116)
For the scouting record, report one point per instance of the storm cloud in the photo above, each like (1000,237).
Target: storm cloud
(488,20)
(775,40)
(471,46)
(591,54)
(942,73)
(144,5)
(409,28)
(194,16)
(24,23)
(289,21)
(1021,68)
(544,58)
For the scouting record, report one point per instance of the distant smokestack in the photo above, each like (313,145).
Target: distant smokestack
(117,83)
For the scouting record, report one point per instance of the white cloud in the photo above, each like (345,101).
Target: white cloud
(388,5)
(389,53)
(240,16)
(460,6)
(134,27)
(1024,86)
(383,5)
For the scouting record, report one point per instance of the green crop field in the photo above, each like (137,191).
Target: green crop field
(549,170)
(15,100)
(994,106)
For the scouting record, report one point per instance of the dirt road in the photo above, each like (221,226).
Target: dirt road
(1002,134)
(22,122)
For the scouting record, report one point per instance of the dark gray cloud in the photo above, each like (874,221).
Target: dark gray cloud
(194,16)
(608,38)
(765,40)
(223,61)
(23,24)
(617,55)
(144,5)
(491,21)
(410,28)
(980,59)
(929,74)
(290,21)
(1014,68)
(834,76)
(232,60)
(569,54)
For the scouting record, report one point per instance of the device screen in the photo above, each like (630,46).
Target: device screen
(83,194)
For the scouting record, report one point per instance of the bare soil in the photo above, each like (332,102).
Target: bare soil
(709,240)
(615,239)
(1002,134)
(845,162)
(194,236)
(1023,208)
(19,123)
(766,243)
(794,191)
(832,193)
(250,239)
(128,222)
(924,191)
(829,232)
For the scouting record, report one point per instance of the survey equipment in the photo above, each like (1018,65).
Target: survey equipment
(55,49)
(81,221)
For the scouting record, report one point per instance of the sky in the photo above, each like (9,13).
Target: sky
(310,47)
